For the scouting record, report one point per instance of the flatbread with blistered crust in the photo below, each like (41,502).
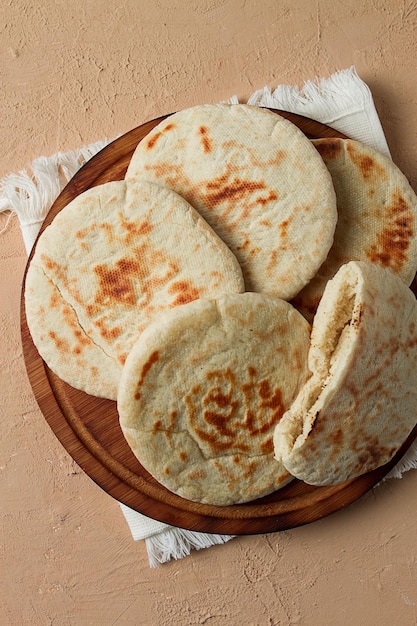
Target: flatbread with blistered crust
(256,179)
(360,404)
(108,264)
(377,216)
(202,390)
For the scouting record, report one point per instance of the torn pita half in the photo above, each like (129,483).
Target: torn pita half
(377,216)
(360,404)
(202,390)
(108,264)
(256,179)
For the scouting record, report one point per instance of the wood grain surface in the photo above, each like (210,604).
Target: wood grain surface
(88,427)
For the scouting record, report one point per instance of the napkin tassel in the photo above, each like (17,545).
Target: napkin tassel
(342,90)
(30,194)
(177,544)
(408,462)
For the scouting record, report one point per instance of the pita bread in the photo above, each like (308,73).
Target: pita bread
(377,216)
(361,402)
(256,179)
(202,390)
(112,260)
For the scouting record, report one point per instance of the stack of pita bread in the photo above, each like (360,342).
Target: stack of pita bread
(244,294)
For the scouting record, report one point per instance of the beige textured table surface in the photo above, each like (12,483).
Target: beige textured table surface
(71,74)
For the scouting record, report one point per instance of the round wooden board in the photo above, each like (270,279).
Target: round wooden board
(88,427)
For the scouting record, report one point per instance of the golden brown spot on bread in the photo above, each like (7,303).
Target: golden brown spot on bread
(92,310)
(134,229)
(211,417)
(337,437)
(55,268)
(71,322)
(160,427)
(250,469)
(151,141)
(198,474)
(218,276)
(172,419)
(221,399)
(230,414)
(157,427)
(283,228)
(103,226)
(371,452)
(366,164)
(267,446)
(220,190)
(228,476)
(220,420)
(329,149)
(62,345)
(115,284)
(270,198)
(411,343)
(273,399)
(185,290)
(244,245)
(269,399)
(153,358)
(183,456)
(205,139)
(273,258)
(55,300)
(109,334)
(171,174)
(393,241)
(132,279)
(122,358)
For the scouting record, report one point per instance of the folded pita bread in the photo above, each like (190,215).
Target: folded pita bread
(256,179)
(377,216)
(202,390)
(360,404)
(110,261)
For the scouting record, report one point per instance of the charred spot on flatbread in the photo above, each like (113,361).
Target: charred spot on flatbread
(394,238)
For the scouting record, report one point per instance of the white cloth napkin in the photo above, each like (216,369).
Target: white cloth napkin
(342,101)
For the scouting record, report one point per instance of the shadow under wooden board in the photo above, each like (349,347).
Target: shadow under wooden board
(89,430)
